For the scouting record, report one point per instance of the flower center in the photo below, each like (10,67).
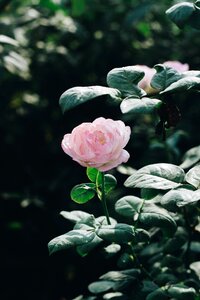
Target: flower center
(100,137)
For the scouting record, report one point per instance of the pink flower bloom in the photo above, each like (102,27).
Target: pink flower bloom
(98,144)
(177,65)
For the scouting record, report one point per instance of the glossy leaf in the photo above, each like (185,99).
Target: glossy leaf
(193,176)
(84,249)
(75,215)
(180,13)
(78,95)
(136,105)
(119,233)
(82,193)
(98,287)
(161,176)
(92,174)
(128,206)
(71,239)
(126,79)
(164,77)
(110,183)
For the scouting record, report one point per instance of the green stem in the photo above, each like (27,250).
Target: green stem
(103,198)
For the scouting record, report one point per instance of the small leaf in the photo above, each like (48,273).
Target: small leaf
(184,84)
(78,95)
(126,79)
(82,193)
(98,287)
(141,106)
(161,176)
(191,157)
(180,13)
(119,233)
(92,174)
(71,239)
(112,249)
(110,183)
(164,77)
(193,176)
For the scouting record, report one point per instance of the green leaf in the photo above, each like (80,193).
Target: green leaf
(193,176)
(181,292)
(195,266)
(171,261)
(126,79)
(119,233)
(129,206)
(74,216)
(82,193)
(71,239)
(161,176)
(180,13)
(78,95)
(84,249)
(158,294)
(110,183)
(112,249)
(164,77)
(191,157)
(182,194)
(184,84)
(141,106)
(98,287)
(78,7)
(194,20)
(92,174)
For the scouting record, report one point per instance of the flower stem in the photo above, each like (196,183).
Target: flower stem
(103,198)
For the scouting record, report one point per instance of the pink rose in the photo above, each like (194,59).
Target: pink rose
(177,65)
(98,144)
(146,80)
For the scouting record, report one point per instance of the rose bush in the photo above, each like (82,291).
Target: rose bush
(98,144)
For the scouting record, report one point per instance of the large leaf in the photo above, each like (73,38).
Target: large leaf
(191,157)
(78,95)
(181,292)
(164,77)
(8,40)
(193,176)
(184,84)
(161,176)
(136,105)
(71,239)
(119,233)
(126,79)
(75,215)
(180,13)
(85,248)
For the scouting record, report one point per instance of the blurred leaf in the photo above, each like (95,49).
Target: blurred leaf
(78,95)
(141,106)
(112,249)
(181,292)
(98,287)
(195,266)
(180,13)
(119,233)
(78,7)
(193,176)
(4,39)
(126,79)
(82,193)
(161,176)
(164,77)
(71,239)
(158,294)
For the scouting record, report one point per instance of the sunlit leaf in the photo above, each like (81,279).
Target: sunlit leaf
(191,157)
(75,215)
(180,13)
(119,233)
(193,176)
(181,292)
(136,105)
(78,95)
(82,193)
(98,287)
(184,84)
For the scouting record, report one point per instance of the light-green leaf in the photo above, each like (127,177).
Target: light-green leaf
(82,193)
(164,77)
(180,13)
(193,176)
(161,176)
(136,105)
(78,95)
(92,174)
(71,239)
(126,79)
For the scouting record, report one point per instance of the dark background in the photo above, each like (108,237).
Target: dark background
(58,45)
